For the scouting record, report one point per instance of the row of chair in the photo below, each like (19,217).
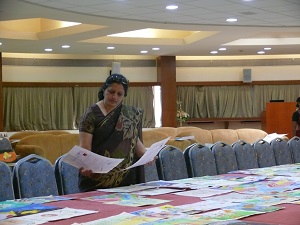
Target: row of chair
(34,176)
(220,158)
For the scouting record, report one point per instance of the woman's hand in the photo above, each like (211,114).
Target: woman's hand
(151,162)
(89,173)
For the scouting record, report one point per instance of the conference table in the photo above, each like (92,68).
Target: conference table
(290,215)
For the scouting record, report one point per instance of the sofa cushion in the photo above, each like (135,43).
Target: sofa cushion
(227,136)
(250,135)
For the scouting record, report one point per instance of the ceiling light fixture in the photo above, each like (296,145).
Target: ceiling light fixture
(171,7)
(261,52)
(144,51)
(222,49)
(214,52)
(155,49)
(110,47)
(65,46)
(0,43)
(231,20)
(267,48)
(48,49)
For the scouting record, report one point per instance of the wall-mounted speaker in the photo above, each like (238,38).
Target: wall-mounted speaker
(247,76)
(116,67)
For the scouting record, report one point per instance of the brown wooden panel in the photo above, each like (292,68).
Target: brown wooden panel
(1,95)
(279,117)
(166,75)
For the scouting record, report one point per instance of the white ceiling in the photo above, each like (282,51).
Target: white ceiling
(202,25)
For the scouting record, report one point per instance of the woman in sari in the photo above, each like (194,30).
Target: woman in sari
(111,129)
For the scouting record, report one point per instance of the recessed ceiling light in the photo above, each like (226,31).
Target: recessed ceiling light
(0,43)
(171,7)
(214,52)
(261,52)
(144,51)
(110,47)
(268,48)
(65,46)
(155,49)
(231,20)
(222,49)
(48,49)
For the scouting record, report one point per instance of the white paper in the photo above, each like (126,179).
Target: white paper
(83,158)
(150,153)
(184,138)
(272,136)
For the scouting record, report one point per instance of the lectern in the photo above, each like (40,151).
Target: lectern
(279,117)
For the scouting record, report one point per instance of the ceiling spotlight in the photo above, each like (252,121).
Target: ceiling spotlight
(268,48)
(261,52)
(231,20)
(214,52)
(48,49)
(155,49)
(222,49)
(0,43)
(110,47)
(171,7)
(144,51)
(65,46)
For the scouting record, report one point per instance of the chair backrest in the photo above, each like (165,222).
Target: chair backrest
(245,155)
(294,144)
(282,151)
(200,161)
(225,157)
(66,177)
(171,164)
(150,173)
(6,184)
(33,176)
(265,153)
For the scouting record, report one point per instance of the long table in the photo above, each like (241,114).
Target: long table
(290,215)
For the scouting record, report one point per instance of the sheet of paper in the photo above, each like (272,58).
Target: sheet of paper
(80,157)
(150,153)
(184,138)
(272,136)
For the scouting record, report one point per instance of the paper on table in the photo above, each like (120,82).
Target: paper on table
(80,157)
(150,153)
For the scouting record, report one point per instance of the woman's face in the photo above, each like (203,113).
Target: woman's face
(113,95)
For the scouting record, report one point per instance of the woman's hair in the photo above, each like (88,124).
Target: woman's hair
(114,78)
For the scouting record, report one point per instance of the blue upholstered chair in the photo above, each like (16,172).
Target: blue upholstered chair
(171,164)
(200,161)
(33,176)
(282,151)
(225,157)
(265,153)
(294,144)
(150,173)
(245,155)
(66,177)
(6,184)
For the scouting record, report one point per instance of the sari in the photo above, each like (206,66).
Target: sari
(114,135)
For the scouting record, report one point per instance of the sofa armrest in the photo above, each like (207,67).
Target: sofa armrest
(25,150)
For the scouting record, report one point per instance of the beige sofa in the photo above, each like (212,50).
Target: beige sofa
(49,146)
(228,136)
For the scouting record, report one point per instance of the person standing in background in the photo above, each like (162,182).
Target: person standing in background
(296,119)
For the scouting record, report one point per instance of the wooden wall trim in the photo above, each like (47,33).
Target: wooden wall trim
(72,84)
(146,84)
(238,83)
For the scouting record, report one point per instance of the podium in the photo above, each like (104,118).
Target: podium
(278,117)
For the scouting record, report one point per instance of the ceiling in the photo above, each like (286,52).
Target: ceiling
(196,28)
